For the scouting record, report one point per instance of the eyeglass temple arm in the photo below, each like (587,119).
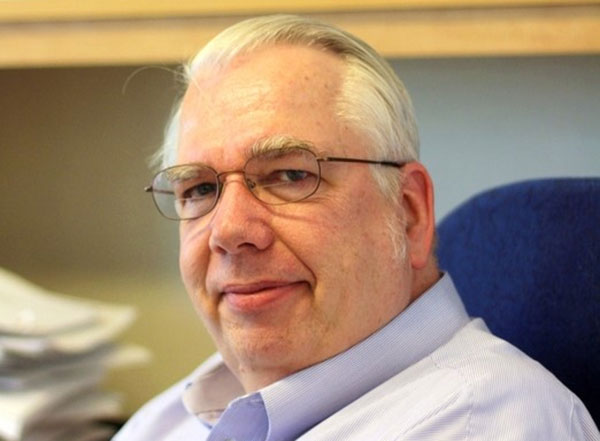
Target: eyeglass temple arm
(151,189)
(364,161)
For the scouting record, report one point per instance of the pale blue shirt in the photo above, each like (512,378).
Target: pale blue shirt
(432,373)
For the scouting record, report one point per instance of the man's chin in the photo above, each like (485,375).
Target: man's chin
(265,352)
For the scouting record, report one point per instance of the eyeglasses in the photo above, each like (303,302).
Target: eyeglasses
(276,177)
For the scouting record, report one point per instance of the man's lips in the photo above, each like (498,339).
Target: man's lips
(253,288)
(257,296)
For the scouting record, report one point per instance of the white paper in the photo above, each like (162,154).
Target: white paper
(20,408)
(27,309)
(29,374)
(54,352)
(110,321)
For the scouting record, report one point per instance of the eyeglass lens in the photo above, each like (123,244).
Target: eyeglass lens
(275,177)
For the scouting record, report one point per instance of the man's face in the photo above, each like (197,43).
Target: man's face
(283,287)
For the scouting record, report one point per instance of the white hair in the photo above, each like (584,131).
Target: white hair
(372,98)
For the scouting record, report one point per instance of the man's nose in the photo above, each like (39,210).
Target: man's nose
(240,221)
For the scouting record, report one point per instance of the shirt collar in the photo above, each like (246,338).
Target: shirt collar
(210,390)
(298,402)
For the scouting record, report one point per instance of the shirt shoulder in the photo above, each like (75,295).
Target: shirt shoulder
(509,395)
(475,387)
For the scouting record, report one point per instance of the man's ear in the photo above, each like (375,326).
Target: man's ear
(417,203)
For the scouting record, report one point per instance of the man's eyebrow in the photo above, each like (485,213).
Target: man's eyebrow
(181,172)
(280,144)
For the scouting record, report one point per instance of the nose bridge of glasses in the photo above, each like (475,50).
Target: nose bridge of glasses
(222,178)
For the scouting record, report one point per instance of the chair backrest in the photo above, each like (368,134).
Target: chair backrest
(526,258)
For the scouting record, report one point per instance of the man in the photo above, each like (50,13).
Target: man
(307,236)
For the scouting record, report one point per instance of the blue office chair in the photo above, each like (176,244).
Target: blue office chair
(526,258)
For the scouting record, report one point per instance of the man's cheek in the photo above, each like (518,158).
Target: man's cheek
(192,265)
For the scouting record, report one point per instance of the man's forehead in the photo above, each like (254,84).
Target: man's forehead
(266,93)
(284,65)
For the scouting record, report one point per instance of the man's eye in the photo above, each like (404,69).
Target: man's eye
(292,175)
(286,178)
(282,177)
(201,190)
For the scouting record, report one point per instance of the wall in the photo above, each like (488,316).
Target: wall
(486,122)
(74,145)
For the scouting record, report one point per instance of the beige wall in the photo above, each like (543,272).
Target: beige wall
(73,161)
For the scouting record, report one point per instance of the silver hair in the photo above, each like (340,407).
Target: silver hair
(372,97)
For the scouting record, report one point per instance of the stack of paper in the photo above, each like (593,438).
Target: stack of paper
(54,353)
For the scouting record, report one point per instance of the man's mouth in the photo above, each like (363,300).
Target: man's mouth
(255,297)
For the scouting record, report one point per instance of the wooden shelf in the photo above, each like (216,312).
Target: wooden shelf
(37,33)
